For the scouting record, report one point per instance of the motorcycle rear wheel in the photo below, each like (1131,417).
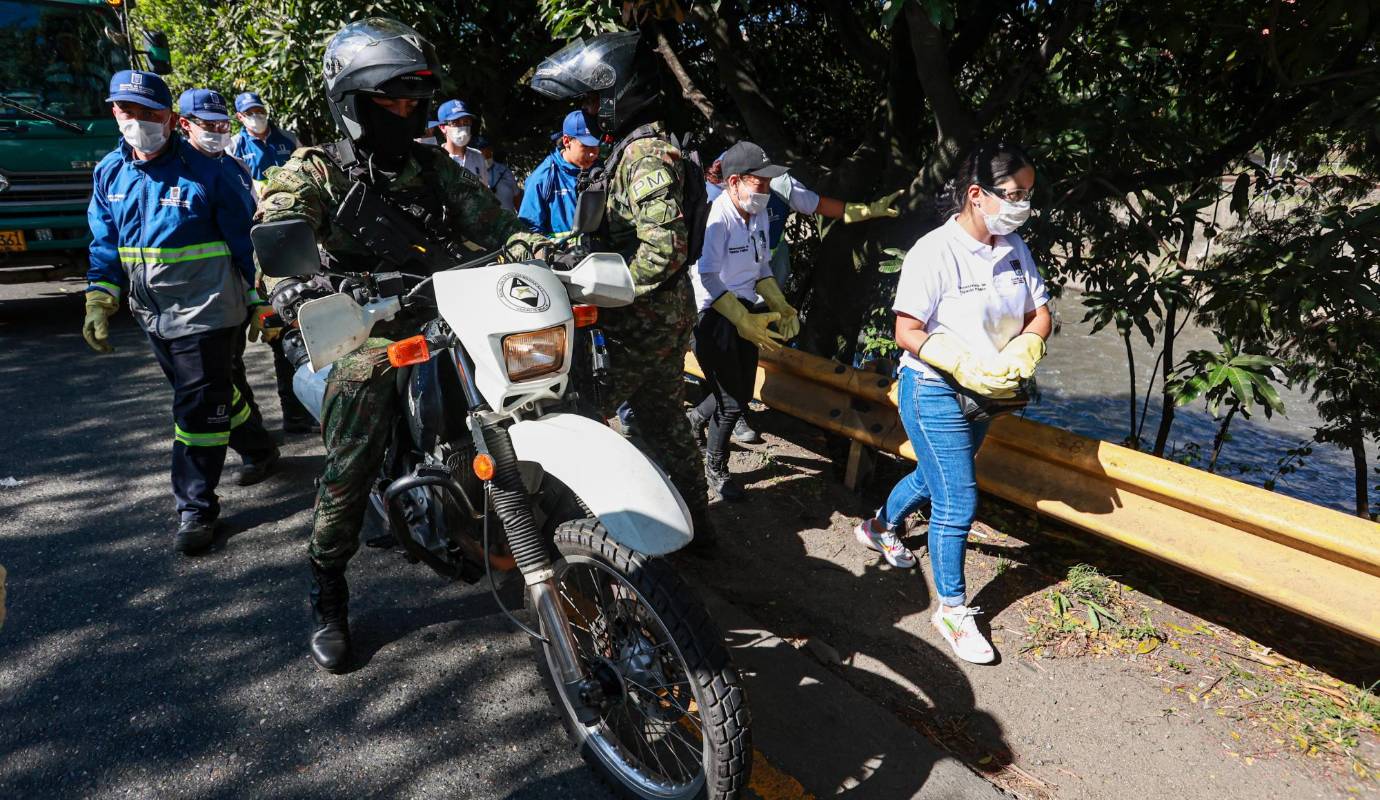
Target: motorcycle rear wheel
(674,723)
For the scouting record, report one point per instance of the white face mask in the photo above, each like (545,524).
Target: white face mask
(146,137)
(209,142)
(256,123)
(754,203)
(460,137)
(1011,217)
(488,163)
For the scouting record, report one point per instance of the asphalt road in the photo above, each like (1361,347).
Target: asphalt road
(127,670)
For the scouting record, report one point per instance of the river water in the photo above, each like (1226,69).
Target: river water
(1085,387)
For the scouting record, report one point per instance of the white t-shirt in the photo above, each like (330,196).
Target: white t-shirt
(960,286)
(735,255)
(473,161)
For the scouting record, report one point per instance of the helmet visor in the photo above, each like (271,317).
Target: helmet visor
(574,70)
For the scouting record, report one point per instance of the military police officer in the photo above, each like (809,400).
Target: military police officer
(615,78)
(380,77)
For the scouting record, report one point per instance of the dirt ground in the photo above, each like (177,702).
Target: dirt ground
(1133,679)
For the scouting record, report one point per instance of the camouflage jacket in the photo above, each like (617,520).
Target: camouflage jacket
(647,225)
(310,186)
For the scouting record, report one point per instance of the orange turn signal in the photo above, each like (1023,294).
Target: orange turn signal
(585,316)
(483,465)
(412,350)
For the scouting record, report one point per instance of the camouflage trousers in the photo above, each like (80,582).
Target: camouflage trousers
(358,415)
(647,343)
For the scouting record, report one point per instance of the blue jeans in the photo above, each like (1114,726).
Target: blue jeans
(945,444)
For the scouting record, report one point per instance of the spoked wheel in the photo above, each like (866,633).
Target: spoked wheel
(672,718)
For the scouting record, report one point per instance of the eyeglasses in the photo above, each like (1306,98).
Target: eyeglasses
(1012,195)
(211,126)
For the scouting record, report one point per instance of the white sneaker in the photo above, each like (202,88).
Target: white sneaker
(885,542)
(959,629)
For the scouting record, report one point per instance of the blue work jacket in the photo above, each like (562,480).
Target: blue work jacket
(171,234)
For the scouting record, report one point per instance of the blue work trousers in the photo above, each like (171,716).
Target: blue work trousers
(210,412)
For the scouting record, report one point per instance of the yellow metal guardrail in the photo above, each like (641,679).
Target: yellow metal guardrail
(1311,560)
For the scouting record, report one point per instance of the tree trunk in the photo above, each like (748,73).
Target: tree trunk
(1358,457)
(1171,309)
(1221,438)
(1133,438)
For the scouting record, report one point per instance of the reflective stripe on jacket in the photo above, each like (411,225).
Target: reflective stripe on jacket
(172,234)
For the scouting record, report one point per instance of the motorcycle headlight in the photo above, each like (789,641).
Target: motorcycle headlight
(531,355)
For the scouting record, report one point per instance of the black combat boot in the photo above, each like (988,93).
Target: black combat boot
(330,601)
(721,483)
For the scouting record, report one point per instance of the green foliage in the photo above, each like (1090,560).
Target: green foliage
(275,47)
(568,20)
(1236,379)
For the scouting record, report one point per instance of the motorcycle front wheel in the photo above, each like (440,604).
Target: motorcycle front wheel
(673,723)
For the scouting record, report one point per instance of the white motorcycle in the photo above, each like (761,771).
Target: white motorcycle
(494,467)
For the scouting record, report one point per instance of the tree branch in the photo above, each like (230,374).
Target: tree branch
(866,51)
(690,92)
(955,126)
(763,119)
(1033,68)
(975,28)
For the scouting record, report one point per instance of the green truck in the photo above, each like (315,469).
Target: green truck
(56,59)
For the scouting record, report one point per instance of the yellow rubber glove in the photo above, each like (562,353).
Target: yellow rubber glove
(753,327)
(949,354)
(861,212)
(1022,354)
(789,324)
(96,327)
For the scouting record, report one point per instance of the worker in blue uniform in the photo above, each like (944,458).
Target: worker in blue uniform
(170,234)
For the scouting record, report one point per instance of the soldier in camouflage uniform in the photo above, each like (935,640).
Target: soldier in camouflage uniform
(379,80)
(645,221)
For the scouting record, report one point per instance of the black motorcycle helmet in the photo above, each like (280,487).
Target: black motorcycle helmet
(378,57)
(618,68)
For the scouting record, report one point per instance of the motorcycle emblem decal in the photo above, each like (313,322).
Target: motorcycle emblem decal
(521,294)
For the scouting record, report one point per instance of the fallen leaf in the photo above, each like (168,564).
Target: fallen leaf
(1148,646)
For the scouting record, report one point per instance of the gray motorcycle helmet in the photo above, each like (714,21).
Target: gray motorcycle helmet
(617,67)
(377,57)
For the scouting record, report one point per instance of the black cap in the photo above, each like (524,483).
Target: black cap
(746,158)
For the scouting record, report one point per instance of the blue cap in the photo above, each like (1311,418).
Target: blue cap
(204,104)
(144,88)
(480,142)
(577,126)
(451,110)
(247,100)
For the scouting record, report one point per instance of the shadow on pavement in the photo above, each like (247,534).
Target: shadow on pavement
(126,670)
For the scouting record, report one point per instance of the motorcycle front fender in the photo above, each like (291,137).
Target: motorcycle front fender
(633,498)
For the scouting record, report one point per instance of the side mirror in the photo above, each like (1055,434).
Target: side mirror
(286,249)
(589,211)
(156,48)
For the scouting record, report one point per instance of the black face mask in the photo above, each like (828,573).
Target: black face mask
(387,135)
